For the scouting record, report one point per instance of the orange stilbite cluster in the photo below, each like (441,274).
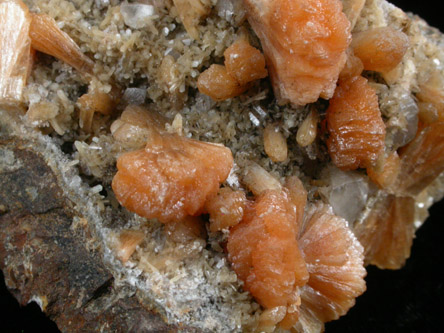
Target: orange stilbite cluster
(422,160)
(334,260)
(305,43)
(354,122)
(264,251)
(294,265)
(243,64)
(387,231)
(171,177)
(217,83)
(431,97)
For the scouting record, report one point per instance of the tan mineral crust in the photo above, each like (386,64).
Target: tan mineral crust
(131,201)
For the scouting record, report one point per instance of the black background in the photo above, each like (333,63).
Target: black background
(407,300)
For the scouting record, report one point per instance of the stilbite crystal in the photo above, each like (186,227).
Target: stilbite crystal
(15,50)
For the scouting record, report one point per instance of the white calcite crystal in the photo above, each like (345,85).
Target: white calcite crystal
(136,15)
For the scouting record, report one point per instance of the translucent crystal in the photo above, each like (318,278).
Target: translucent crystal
(399,105)
(347,192)
(190,13)
(225,9)
(134,96)
(136,15)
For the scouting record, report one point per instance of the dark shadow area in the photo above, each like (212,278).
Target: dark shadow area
(407,300)
(17,319)
(429,10)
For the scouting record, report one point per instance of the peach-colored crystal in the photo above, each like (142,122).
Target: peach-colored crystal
(217,83)
(352,9)
(308,130)
(127,241)
(47,37)
(304,42)
(244,62)
(257,179)
(431,92)
(387,232)
(353,66)
(172,177)
(385,175)
(275,143)
(334,260)
(380,49)
(355,125)
(226,209)
(135,125)
(422,160)
(15,54)
(269,318)
(264,252)
(190,13)
(297,195)
(91,102)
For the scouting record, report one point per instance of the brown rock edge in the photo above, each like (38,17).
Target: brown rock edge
(45,260)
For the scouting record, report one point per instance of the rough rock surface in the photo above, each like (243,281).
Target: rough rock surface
(46,260)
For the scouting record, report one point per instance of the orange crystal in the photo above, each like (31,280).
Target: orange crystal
(275,143)
(422,160)
(335,263)
(357,132)
(172,177)
(135,126)
(387,232)
(386,174)
(304,42)
(47,37)
(431,94)
(91,102)
(380,49)
(217,83)
(190,13)
(244,62)
(353,66)
(226,209)
(127,242)
(297,195)
(264,251)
